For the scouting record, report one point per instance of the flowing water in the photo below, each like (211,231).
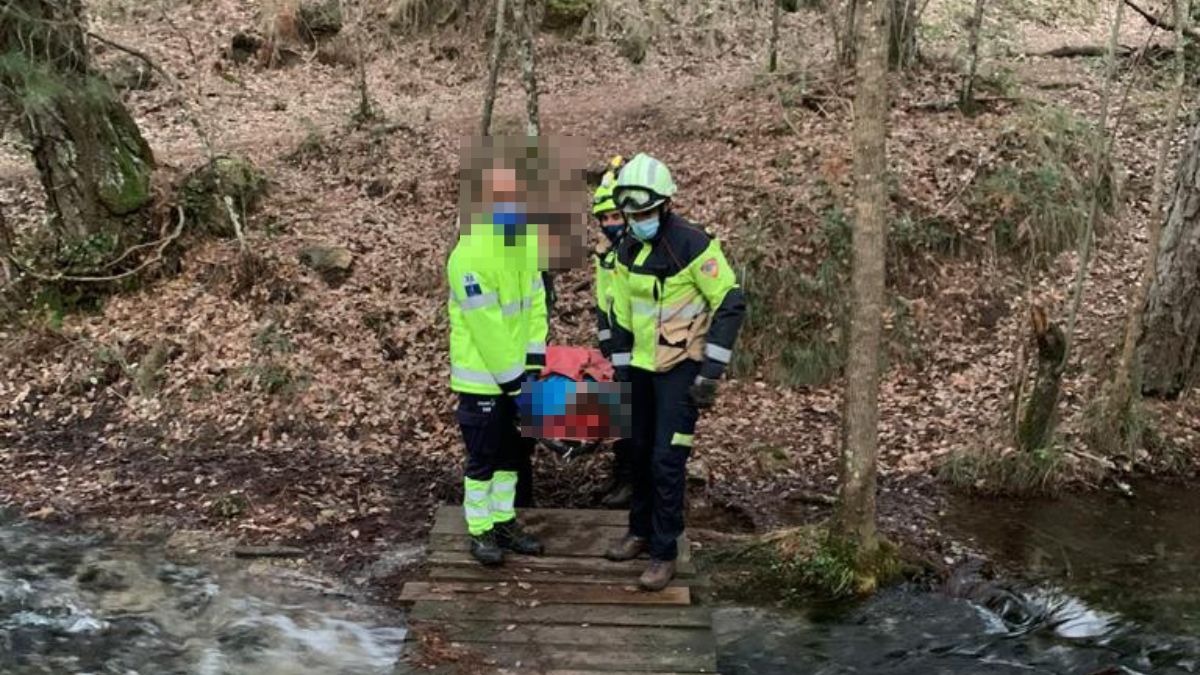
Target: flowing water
(1110,585)
(78,604)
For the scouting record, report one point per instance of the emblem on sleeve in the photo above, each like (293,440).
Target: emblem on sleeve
(711,267)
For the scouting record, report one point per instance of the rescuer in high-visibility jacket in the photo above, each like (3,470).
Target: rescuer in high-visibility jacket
(677,309)
(618,490)
(498,328)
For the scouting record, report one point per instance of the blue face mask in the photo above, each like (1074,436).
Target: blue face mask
(613,232)
(510,219)
(644,229)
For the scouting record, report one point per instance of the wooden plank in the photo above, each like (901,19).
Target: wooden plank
(527,658)
(577,615)
(633,568)
(579,543)
(497,574)
(450,519)
(546,594)
(624,637)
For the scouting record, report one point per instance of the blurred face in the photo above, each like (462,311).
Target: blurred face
(502,185)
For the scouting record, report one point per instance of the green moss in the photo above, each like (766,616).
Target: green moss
(205,190)
(804,564)
(565,14)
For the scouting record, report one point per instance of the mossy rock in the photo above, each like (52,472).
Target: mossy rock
(205,190)
(320,19)
(332,263)
(565,14)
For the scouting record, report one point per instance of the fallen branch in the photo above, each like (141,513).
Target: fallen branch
(1077,51)
(949,104)
(156,257)
(1161,23)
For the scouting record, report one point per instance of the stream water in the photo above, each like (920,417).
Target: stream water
(1109,586)
(78,604)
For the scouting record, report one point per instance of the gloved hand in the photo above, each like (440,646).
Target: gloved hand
(703,392)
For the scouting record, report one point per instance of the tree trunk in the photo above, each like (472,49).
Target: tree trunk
(1121,395)
(528,56)
(773,59)
(849,34)
(1038,418)
(1171,329)
(281,27)
(93,162)
(902,34)
(968,95)
(489,95)
(855,521)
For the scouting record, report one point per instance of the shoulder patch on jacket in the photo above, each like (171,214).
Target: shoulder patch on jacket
(711,268)
(471,285)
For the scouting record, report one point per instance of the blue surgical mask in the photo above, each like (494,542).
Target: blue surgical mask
(644,229)
(613,232)
(510,219)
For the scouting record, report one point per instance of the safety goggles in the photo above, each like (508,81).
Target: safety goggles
(633,200)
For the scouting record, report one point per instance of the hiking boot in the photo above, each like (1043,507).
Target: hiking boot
(627,548)
(618,497)
(485,550)
(512,537)
(657,575)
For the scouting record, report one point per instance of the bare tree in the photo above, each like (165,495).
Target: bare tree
(1170,343)
(528,56)
(902,33)
(772,59)
(93,162)
(1120,397)
(281,27)
(968,94)
(498,44)
(855,521)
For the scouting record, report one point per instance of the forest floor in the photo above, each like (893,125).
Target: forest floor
(294,410)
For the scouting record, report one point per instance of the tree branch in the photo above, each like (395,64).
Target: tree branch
(1161,23)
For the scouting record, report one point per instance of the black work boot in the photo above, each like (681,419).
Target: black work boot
(512,537)
(618,497)
(658,575)
(627,548)
(485,549)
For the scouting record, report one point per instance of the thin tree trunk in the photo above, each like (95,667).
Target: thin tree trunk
(1170,344)
(902,36)
(498,43)
(855,520)
(968,96)
(772,60)
(281,27)
(1099,157)
(93,162)
(1121,396)
(849,34)
(528,56)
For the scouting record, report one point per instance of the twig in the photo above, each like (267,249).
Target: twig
(58,276)
(132,52)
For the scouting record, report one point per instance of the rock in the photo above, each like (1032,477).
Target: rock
(205,189)
(320,19)
(244,46)
(340,51)
(130,73)
(566,15)
(104,576)
(268,552)
(332,263)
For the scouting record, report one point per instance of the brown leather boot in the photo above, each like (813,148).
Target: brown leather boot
(657,575)
(627,548)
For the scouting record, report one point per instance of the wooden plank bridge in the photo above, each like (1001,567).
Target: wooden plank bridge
(568,611)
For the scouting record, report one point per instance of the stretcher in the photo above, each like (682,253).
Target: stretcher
(574,405)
